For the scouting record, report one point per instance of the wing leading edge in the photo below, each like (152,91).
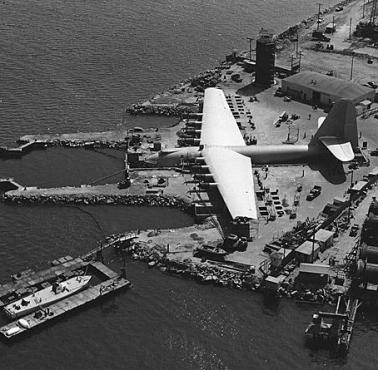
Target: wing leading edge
(233,174)
(219,127)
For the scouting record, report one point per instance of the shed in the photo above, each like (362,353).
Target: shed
(340,201)
(330,28)
(314,273)
(366,104)
(320,89)
(281,257)
(324,238)
(359,187)
(373,174)
(307,252)
(272,283)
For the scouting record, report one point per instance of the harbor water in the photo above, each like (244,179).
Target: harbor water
(70,66)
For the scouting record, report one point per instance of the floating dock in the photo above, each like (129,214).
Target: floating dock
(25,283)
(22,282)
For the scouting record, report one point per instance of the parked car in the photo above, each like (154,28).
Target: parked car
(314,192)
(354,230)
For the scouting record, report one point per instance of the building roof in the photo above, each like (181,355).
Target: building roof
(306,248)
(374,172)
(314,268)
(323,235)
(329,85)
(360,185)
(365,102)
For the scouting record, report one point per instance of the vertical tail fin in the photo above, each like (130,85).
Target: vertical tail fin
(340,123)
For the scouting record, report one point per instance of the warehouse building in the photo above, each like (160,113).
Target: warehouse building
(323,90)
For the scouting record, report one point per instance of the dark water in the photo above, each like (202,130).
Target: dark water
(73,66)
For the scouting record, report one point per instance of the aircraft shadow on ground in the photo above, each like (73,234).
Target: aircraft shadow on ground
(331,169)
(251,89)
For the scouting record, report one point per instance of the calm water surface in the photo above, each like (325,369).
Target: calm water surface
(70,66)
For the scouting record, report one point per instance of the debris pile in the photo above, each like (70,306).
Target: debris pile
(206,273)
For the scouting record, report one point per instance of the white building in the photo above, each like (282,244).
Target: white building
(319,89)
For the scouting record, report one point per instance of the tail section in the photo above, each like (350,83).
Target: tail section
(338,133)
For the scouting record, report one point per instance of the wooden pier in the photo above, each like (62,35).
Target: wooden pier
(25,280)
(337,332)
(28,281)
(345,337)
(19,151)
(66,305)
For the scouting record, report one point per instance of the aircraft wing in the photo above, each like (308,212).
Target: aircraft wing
(341,149)
(218,124)
(233,174)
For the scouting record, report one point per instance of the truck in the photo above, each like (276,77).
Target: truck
(314,192)
(318,35)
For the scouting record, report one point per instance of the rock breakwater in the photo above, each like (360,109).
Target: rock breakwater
(96,199)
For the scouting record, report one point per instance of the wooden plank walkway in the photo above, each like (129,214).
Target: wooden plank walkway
(347,329)
(66,305)
(104,270)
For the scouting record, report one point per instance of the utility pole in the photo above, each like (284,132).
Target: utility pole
(351,178)
(363,10)
(313,244)
(250,47)
(317,27)
(350,29)
(351,68)
(333,24)
(300,59)
(372,12)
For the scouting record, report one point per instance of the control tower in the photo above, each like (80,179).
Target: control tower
(265,58)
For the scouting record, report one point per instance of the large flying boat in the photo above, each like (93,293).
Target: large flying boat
(230,160)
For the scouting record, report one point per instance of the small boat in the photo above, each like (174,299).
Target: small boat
(46,296)
(210,252)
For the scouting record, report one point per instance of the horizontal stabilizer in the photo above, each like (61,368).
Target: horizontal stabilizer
(339,148)
(320,121)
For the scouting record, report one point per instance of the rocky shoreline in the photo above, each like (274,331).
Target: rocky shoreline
(175,105)
(103,199)
(205,272)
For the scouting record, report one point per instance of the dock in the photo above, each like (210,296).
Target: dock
(7,184)
(335,328)
(29,281)
(69,304)
(22,282)
(19,151)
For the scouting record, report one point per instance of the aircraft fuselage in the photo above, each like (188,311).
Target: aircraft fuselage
(259,154)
